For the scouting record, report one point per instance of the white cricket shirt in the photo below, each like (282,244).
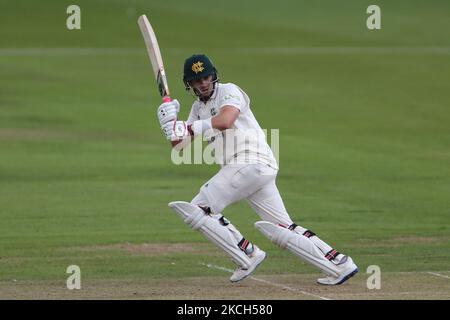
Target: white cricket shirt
(245,142)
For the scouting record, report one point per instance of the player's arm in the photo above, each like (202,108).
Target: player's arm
(223,121)
(226,118)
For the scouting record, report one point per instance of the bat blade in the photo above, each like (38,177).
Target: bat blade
(155,56)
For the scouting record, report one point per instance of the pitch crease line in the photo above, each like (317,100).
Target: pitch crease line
(208,265)
(439,275)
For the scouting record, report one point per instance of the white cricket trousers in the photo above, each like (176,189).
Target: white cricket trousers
(253,182)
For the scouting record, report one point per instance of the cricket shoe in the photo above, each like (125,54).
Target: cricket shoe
(256,258)
(349,269)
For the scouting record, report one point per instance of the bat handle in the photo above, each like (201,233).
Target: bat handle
(166,99)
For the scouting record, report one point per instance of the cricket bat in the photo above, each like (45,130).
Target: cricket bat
(155,57)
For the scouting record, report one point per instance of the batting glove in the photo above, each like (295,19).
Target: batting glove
(168,112)
(177,130)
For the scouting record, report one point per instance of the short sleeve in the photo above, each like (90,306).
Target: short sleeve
(232,96)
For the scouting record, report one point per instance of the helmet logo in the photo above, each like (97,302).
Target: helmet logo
(198,67)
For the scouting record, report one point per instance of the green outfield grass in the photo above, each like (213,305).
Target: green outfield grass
(364,132)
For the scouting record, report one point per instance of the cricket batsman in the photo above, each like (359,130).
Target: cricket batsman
(221,114)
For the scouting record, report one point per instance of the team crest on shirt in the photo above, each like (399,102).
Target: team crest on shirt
(198,67)
(213,112)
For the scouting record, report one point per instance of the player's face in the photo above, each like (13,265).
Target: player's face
(203,85)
